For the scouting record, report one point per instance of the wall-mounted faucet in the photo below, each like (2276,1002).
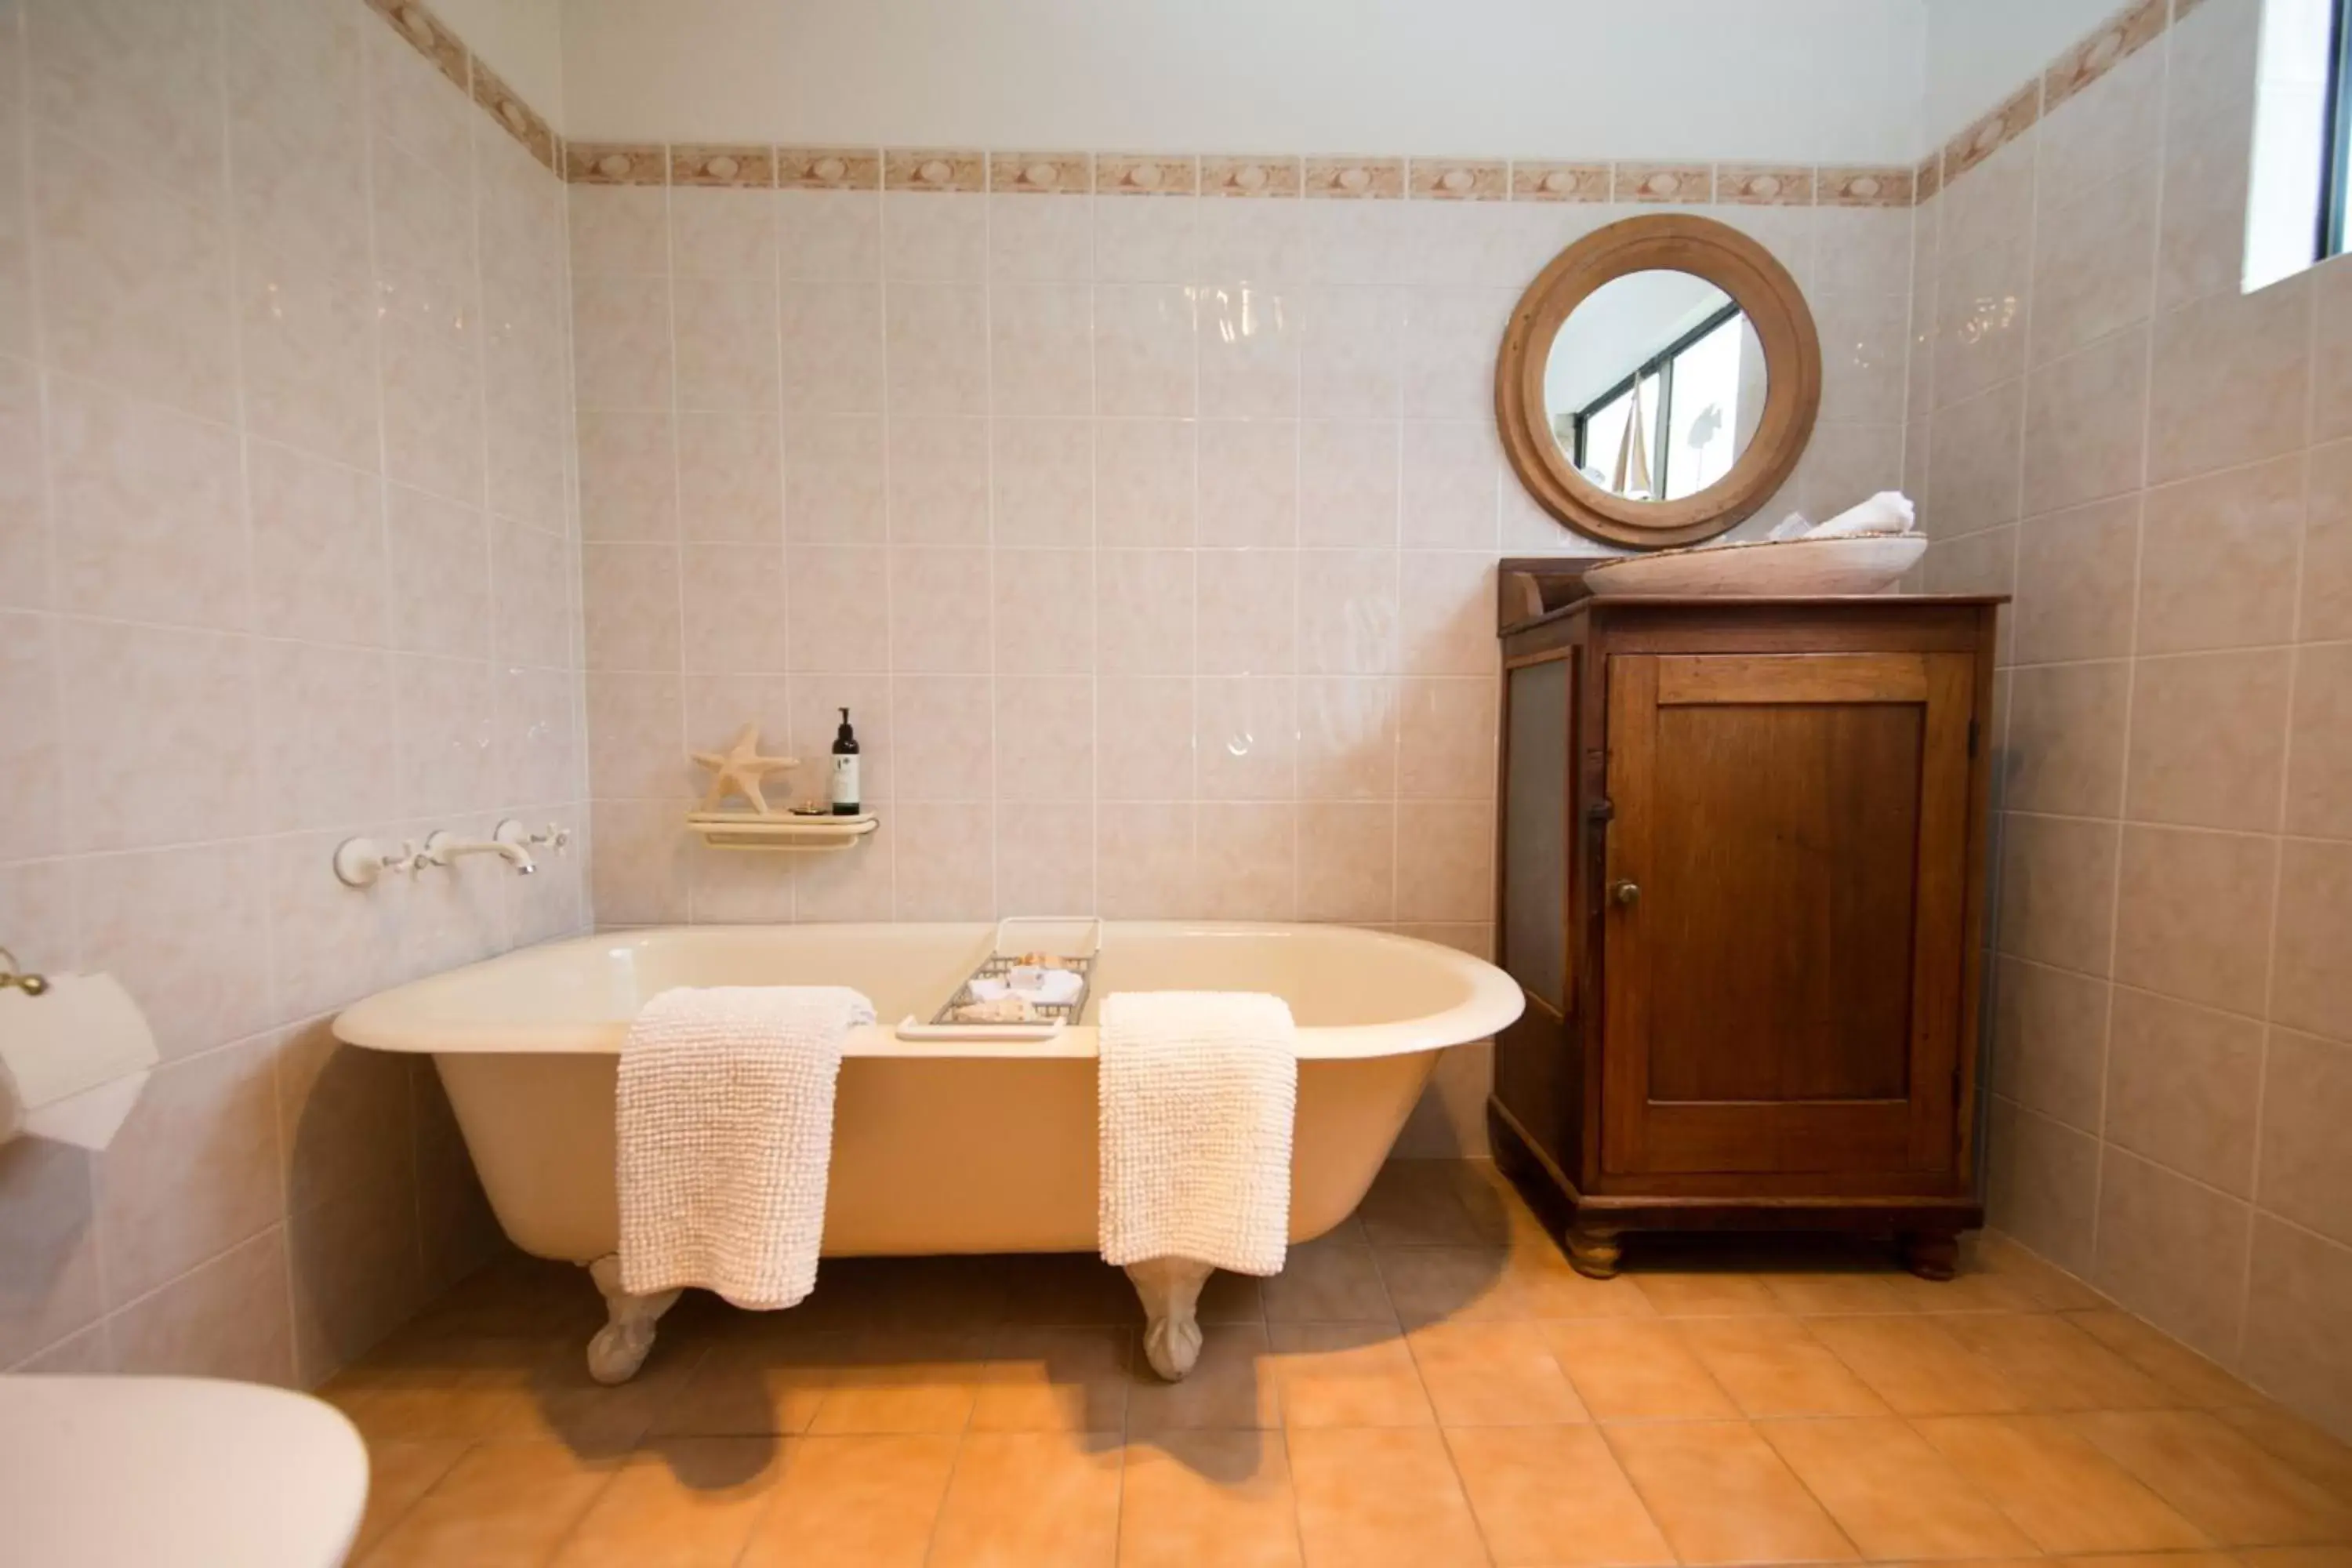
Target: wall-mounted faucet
(443,848)
(358,862)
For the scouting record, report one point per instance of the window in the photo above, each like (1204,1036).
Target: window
(2335,185)
(1687,398)
(2298,208)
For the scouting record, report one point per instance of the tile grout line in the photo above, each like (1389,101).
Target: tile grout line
(2104,1145)
(2280,822)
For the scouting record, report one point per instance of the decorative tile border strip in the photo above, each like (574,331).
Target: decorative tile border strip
(2076,67)
(1145,174)
(1835,188)
(970,170)
(1354,179)
(434,38)
(1764,184)
(615,163)
(1683,184)
(1041,173)
(1458,180)
(1559,182)
(828,168)
(1249,176)
(934,169)
(750,167)
(2123,35)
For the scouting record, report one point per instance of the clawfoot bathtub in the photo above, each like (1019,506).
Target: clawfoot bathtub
(940,1146)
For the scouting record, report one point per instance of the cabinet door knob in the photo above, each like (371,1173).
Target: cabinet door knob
(1627,894)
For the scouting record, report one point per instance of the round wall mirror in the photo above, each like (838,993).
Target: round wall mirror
(1658,381)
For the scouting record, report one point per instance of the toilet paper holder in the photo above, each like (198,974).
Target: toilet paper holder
(30,985)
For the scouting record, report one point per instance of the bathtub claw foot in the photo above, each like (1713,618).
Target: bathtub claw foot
(621,1345)
(1171,1289)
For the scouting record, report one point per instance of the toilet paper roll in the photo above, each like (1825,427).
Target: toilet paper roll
(72,1060)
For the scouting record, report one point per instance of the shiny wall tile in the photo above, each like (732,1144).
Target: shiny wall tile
(287,530)
(2173,730)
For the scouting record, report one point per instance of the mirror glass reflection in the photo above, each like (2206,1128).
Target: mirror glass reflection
(1655,385)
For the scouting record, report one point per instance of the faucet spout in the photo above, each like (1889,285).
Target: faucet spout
(446,849)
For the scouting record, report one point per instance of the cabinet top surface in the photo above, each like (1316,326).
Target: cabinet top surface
(1832,603)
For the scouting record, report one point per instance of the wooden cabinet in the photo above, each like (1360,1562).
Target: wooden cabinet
(1742,883)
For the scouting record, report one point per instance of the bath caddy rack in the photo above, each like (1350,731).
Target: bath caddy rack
(1047,944)
(749,830)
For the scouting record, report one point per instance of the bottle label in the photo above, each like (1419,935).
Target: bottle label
(844,780)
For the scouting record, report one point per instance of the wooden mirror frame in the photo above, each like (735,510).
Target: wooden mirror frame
(1774,305)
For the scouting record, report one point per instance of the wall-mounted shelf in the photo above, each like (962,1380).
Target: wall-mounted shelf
(746,830)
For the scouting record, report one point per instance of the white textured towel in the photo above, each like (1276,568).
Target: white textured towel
(1197,1091)
(724,1126)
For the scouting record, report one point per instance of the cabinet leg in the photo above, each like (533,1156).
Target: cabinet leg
(1932,1253)
(1594,1252)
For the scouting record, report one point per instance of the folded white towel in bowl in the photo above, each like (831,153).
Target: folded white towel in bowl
(1196,1091)
(1888,511)
(724,1134)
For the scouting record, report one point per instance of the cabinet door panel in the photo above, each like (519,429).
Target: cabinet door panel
(1782,992)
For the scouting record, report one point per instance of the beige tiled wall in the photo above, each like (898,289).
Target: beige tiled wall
(2160,467)
(1150,537)
(285,555)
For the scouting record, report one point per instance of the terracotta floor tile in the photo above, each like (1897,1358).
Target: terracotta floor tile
(1635,1370)
(903,1381)
(2311,1451)
(2294,1557)
(563,1403)
(2221,1480)
(1700,1293)
(1916,1367)
(1327,1281)
(398,1474)
(1232,1385)
(1191,1500)
(1031,1500)
(1419,1202)
(1055,1380)
(2052,1364)
(2056,1486)
(1774,1366)
(1721,1494)
(2192,1379)
(503,1505)
(1347,1375)
(946,1294)
(1553,1495)
(854,1502)
(1381,1497)
(2056,1289)
(1836,1292)
(1538,1283)
(416,1389)
(1891,1491)
(1498,1215)
(1493,1375)
(682,1502)
(1068,1290)
(1433,1284)
(1973,1289)
(747,1387)
(1227,1299)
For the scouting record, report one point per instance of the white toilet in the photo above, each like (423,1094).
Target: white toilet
(174,1472)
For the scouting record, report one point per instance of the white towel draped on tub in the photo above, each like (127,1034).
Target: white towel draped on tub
(1197,1090)
(724,1123)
